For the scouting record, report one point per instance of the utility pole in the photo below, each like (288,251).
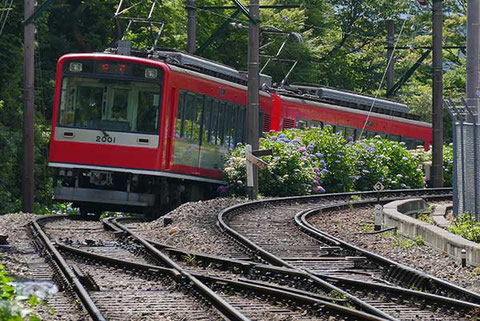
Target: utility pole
(192,26)
(253,82)
(390,25)
(28,181)
(437,95)
(473,59)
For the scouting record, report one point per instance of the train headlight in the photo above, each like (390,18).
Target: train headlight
(150,73)
(76,67)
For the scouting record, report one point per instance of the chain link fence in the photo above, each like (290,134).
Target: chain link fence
(466,154)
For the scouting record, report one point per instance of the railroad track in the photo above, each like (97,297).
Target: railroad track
(116,275)
(277,232)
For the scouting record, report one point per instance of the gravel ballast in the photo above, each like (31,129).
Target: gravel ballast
(193,228)
(347,224)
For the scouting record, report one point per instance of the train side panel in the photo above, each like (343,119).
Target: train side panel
(295,111)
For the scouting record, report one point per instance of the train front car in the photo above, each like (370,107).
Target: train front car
(108,116)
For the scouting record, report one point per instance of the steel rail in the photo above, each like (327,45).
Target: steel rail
(290,295)
(220,304)
(226,215)
(416,276)
(67,272)
(295,295)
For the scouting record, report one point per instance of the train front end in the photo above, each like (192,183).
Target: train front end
(106,128)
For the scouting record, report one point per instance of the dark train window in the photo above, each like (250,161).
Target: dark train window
(341,129)
(190,116)
(206,119)
(315,124)
(302,124)
(180,122)
(394,138)
(350,133)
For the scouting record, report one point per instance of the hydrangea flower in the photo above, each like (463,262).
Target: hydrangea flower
(319,155)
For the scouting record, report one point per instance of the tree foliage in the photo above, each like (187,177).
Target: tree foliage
(343,46)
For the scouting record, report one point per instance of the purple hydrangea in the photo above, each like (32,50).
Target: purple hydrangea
(319,155)
(302,149)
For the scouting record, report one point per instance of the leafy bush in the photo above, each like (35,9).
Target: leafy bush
(400,168)
(314,160)
(337,158)
(291,171)
(466,226)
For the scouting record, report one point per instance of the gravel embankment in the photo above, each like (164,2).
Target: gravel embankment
(193,228)
(345,225)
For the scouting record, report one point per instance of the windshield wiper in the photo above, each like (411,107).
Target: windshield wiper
(104,133)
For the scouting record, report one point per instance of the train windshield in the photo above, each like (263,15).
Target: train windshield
(110,104)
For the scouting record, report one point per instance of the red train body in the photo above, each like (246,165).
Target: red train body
(131,133)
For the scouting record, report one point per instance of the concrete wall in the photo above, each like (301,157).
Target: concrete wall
(393,216)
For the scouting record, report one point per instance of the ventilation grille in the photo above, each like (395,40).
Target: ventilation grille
(288,123)
(266,122)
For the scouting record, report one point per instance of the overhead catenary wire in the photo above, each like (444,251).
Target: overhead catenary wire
(4,16)
(386,68)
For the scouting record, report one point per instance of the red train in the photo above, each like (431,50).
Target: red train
(148,133)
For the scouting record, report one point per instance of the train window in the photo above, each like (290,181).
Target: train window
(315,124)
(394,137)
(180,122)
(341,130)
(189,116)
(148,107)
(222,115)
(110,104)
(350,134)
(207,121)
(369,134)
(302,124)
(229,116)
(197,122)
(215,120)
(240,137)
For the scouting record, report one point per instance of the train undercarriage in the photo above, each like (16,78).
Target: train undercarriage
(96,191)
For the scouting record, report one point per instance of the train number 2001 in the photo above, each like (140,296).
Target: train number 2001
(105,139)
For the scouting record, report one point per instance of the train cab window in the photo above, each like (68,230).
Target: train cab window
(315,124)
(148,108)
(110,104)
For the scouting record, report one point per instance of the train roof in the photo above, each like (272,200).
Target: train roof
(303,91)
